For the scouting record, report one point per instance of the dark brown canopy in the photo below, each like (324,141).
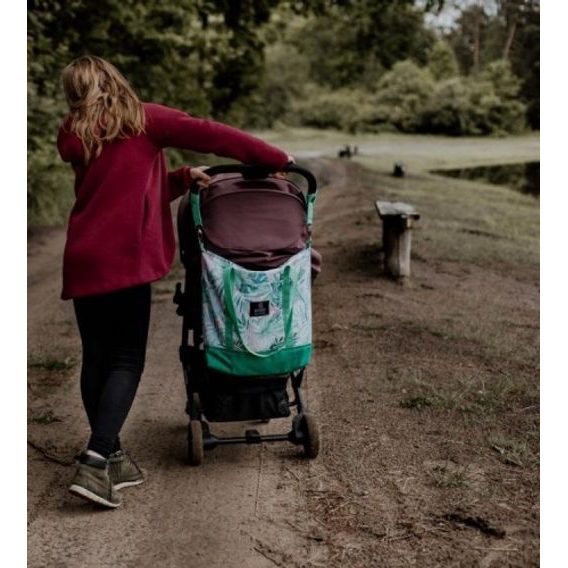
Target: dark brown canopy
(258,224)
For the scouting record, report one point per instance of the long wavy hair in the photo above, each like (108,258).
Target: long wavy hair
(102,105)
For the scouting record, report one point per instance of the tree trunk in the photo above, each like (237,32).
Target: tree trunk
(510,38)
(476,42)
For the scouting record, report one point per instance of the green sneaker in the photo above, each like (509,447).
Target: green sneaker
(92,482)
(123,471)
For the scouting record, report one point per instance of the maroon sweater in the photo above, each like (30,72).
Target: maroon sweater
(120,230)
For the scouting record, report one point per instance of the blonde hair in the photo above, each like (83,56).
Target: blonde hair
(103,106)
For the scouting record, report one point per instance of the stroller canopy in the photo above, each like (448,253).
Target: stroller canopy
(256,223)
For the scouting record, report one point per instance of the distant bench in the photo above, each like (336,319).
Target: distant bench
(397,219)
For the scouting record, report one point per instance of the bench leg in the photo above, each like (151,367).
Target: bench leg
(397,241)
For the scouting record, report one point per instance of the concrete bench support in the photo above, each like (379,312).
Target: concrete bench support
(397,219)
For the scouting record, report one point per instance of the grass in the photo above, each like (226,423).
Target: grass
(470,393)
(514,451)
(446,477)
(462,221)
(419,402)
(44,418)
(52,364)
(455,212)
(418,152)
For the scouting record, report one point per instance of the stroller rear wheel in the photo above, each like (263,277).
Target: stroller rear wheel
(195,442)
(311,441)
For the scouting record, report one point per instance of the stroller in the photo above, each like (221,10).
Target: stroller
(245,244)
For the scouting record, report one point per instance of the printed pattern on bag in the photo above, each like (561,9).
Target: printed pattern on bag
(262,334)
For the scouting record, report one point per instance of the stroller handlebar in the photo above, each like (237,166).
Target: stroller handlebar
(252,172)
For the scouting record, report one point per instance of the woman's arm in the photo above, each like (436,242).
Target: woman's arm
(179,180)
(168,127)
(68,144)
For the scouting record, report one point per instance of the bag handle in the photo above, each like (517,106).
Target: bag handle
(232,323)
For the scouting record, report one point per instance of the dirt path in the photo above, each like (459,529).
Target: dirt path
(414,389)
(243,507)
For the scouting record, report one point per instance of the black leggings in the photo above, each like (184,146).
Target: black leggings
(114,333)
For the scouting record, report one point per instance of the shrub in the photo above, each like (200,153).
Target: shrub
(474,106)
(400,99)
(449,109)
(339,109)
(283,79)
(442,61)
(505,83)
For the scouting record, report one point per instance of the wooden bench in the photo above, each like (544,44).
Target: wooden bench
(397,219)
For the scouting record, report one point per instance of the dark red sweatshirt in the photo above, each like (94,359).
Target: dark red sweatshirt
(120,230)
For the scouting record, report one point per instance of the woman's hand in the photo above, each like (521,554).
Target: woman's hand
(203,180)
(282,175)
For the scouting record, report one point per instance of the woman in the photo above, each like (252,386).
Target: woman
(120,239)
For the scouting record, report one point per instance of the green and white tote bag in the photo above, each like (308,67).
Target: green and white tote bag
(257,322)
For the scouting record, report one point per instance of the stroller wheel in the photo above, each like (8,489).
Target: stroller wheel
(195,442)
(311,443)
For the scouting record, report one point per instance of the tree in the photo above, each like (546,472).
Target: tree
(402,95)
(511,33)
(442,61)
(200,55)
(355,41)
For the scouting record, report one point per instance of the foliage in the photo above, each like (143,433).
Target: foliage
(284,80)
(353,43)
(401,96)
(465,106)
(511,34)
(202,56)
(485,104)
(442,61)
(330,109)
(505,83)
(408,99)
(355,65)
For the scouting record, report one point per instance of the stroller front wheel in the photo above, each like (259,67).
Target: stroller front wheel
(195,442)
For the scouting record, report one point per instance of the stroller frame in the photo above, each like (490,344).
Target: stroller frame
(304,430)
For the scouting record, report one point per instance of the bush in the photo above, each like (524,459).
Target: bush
(283,80)
(467,106)
(442,61)
(505,83)
(50,181)
(408,99)
(339,109)
(449,109)
(400,99)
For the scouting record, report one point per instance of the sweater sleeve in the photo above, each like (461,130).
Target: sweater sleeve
(68,144)
(168,127)
(178,182)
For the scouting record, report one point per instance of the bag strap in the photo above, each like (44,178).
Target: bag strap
(311,198)
(232,324)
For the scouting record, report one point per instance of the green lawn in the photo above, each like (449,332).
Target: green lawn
(504,222)
(418,152)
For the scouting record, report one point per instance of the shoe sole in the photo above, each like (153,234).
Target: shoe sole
(90,496)
(124,484)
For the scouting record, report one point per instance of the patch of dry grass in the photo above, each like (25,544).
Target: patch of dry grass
(51,363)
